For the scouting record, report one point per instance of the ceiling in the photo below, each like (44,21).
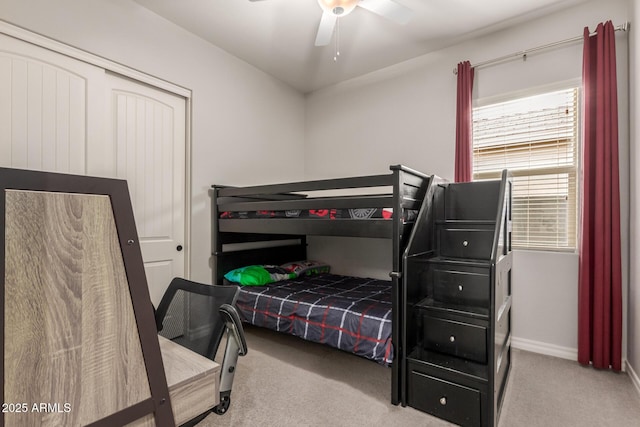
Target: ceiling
(277,36)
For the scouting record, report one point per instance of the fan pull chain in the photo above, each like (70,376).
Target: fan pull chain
(337,38)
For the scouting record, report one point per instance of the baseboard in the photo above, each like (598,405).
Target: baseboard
(544,348)
(565,353)
(634,376)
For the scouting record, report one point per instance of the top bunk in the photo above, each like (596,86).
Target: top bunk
(380,206)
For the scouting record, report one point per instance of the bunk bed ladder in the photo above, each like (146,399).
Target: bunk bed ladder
(457,283)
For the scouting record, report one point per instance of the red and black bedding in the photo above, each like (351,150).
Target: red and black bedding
(348,313)
(357,214)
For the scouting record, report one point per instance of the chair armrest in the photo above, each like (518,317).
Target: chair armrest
(234,325)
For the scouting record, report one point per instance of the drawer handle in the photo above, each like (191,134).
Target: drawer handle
(460,288)
(452,338)
(443,400)
(465,243)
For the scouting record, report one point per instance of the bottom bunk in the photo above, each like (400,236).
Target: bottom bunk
(349,313)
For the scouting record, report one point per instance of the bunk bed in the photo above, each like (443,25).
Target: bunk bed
(269,225)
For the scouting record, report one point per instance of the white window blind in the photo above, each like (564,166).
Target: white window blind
(536,138)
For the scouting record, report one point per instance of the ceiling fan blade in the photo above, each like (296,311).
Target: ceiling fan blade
(388,9)
(325,29)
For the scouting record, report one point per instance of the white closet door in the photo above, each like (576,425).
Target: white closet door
(147,135)
(50,106)
(60,114)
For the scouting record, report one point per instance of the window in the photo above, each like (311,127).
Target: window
(536,138)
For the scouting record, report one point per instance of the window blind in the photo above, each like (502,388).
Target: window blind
(536,138)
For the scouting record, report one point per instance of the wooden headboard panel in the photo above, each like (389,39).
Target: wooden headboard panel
(78,324)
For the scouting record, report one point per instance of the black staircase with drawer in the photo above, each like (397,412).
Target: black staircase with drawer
(457,316)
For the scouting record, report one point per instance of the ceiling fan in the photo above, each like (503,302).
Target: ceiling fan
(334,9)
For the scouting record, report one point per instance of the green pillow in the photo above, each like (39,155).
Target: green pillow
(257,275)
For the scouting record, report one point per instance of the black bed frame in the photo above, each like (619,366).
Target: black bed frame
(280,240)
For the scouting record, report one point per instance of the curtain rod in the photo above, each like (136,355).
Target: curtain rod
(523,53)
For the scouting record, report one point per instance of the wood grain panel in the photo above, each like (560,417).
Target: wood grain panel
(193,381)
(148,421)
(70,332)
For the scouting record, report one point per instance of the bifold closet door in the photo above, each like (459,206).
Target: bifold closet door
(51,108)
(147,137)
(60,114)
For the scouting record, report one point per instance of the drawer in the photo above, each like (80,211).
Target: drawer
(461,287)
(449,401)
(466,243)
(455,338)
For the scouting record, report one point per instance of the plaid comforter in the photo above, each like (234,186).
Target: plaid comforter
(349,313)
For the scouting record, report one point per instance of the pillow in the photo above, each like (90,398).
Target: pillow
(257,275)
(306,268)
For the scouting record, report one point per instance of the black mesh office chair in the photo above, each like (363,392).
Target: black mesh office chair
(196,316)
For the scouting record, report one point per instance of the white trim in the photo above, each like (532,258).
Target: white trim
(566,353)
(633,375)
(187,188)
(90,58)
(123,70)
(545,348)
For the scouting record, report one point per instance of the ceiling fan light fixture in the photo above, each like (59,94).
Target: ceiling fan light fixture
(338,7)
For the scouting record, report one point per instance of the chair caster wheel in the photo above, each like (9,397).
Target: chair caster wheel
(223,406)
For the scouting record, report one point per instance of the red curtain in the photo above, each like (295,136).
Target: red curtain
(464,112)
(600,287)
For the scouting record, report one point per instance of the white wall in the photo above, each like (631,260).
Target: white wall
(633,357)
(246,124)
(406,114)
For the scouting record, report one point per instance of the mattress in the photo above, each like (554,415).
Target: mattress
(349,313)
